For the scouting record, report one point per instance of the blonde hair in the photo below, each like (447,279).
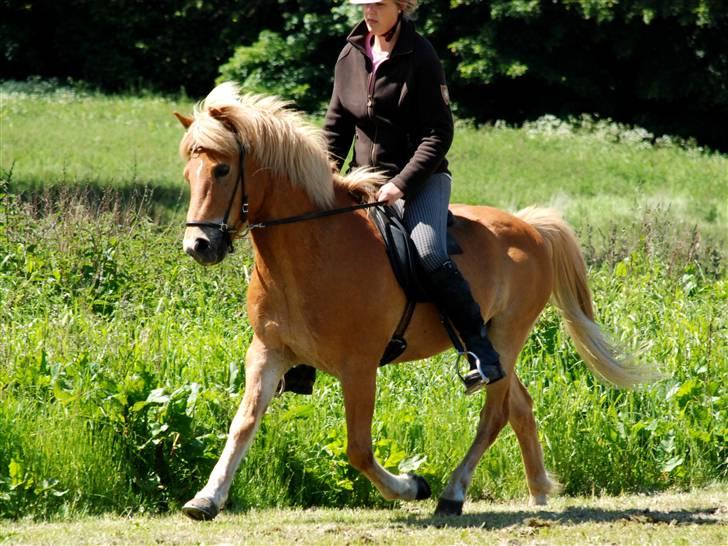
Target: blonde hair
(407,6)
(280,139)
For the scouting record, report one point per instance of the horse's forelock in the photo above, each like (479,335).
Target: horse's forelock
(280,139)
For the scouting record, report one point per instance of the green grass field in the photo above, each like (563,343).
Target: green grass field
(120,358)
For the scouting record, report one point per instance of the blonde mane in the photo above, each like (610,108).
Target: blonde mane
(280,139)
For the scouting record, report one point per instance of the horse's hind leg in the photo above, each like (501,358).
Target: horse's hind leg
(493,417)
(507,401)
(524,425)
(359,386)
(263,370)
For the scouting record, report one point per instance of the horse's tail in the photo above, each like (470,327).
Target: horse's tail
(572,297)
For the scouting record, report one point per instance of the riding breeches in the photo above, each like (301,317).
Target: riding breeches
(425,217)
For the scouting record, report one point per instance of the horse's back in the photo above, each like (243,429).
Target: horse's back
(505,259)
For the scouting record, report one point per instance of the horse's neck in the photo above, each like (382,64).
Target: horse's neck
(277,198)
(291,252)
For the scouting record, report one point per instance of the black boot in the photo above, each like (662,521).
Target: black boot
(451,293)
(299,379)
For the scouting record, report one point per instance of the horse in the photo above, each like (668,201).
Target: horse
(322,291)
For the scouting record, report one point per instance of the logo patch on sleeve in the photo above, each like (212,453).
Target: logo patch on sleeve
(445,94)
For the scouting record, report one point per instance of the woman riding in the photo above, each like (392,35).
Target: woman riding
(391,99)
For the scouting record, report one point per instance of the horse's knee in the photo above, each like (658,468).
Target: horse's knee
(496,414)
(520,395)
(520,411)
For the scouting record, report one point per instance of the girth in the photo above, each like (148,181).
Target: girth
(407,269)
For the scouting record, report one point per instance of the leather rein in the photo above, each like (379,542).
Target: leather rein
(228,229)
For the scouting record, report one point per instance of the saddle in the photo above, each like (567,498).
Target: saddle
(407,269)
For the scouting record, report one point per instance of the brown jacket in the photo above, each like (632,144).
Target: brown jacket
(400,119)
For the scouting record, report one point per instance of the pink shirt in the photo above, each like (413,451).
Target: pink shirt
(377,59)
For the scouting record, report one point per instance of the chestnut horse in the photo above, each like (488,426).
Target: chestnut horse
(323,292)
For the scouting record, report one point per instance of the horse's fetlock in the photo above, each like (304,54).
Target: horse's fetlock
(360,458)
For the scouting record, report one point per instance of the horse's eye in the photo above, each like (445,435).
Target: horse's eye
(221,170)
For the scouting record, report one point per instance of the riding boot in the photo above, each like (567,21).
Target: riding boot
(451,293)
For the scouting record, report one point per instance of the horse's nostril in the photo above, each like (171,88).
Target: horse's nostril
(201,245)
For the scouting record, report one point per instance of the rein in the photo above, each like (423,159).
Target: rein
(314,215)
(228,230)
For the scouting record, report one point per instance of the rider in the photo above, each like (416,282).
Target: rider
(391,99)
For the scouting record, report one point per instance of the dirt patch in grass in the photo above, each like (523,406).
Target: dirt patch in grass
(698,517)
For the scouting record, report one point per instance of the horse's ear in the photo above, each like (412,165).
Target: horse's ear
(184,120)
(219,113)
(222,114)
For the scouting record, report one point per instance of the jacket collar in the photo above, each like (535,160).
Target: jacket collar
(405,43)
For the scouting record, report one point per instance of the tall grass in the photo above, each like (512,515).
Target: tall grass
(121,359)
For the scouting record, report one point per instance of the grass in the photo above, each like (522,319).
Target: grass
(695,518)
(120,358)
(600,174)
(68,140)
(596,174)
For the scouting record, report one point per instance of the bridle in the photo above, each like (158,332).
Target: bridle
(223,226)
(228,229)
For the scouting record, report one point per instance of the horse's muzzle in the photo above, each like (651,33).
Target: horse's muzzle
(206,249)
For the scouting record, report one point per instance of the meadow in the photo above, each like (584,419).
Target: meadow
(121,359)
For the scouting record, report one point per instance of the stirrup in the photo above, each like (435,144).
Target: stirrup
(474,379)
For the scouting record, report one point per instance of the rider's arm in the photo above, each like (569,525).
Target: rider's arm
(338,126)
(435,121)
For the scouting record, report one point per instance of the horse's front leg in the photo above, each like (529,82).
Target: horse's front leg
(359,386)
(263,370)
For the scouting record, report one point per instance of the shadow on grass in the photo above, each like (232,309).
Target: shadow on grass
(567,517)
(157,200)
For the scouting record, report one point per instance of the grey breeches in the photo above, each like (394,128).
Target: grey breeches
(425,217)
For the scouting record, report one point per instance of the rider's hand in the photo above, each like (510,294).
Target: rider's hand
(389,193)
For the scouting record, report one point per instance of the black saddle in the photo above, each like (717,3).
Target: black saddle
(405,264)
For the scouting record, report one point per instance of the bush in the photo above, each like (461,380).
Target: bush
(663,65)
(660,65)
(296,64)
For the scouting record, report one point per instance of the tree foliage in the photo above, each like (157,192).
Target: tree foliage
(622,59)
(660,63)
(296,62)
(166,45)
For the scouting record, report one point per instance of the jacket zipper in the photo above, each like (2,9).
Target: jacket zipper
(370,112)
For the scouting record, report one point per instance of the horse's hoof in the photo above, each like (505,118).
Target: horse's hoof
(423,488)
(538,500)
(201,509)
(447,507)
